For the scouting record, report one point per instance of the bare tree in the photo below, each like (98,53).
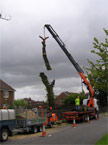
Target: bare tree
(44,53)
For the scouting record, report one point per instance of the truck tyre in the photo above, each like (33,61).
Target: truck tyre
(40,129)
(35,129)
(84,118)
(51,125)
(4,134)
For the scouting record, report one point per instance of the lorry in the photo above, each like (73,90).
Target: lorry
(20,120)
(91,103)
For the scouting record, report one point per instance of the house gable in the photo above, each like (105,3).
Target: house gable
(6,94)
(34,103)
(59,99)
(5,86)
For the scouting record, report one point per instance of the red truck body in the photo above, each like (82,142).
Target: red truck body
(80,115)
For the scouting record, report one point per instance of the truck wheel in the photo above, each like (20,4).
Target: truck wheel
(50,125)
(40,129)
(4,134)
(35,130)
(84,118)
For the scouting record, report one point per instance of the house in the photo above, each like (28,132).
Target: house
(34,103)
(59,99)
(6,94)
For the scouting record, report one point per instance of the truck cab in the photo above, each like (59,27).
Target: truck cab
(85,103)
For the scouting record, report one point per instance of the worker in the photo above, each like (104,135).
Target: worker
(77,103)
(50,108)
(106,114)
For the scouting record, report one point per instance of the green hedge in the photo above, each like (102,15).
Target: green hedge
(70,100)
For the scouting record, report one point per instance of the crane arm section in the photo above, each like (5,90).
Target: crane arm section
(76,65)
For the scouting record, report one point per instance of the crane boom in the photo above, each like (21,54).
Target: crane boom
(76,65)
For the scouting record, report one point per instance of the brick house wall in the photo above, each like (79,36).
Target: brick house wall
(6,94)
(59,99)
(34,103)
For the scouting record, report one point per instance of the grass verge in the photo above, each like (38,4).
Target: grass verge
(103,140)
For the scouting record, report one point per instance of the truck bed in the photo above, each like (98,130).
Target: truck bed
(78,115)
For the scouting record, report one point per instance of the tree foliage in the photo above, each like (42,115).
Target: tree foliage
(70,100)
(20,103)
(98,71)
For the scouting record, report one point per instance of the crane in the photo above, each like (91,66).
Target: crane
(75,64)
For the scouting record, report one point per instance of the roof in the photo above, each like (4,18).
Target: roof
(67,93)
(5,86)
(33,101)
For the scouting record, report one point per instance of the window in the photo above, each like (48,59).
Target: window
(60,101)
(6,94)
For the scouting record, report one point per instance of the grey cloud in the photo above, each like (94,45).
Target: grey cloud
(21,50)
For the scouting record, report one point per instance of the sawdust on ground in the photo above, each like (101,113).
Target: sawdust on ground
(49,131)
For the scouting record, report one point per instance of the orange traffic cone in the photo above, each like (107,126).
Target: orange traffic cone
(43,131)
(74,123)
(88,119)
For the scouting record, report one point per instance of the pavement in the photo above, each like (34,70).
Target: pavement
(83,134)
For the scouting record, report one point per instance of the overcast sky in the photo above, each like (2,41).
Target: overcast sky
(76,21)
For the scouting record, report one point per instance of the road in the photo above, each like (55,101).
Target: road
(83,134)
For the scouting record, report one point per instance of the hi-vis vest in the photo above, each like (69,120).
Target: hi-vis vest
(77,101)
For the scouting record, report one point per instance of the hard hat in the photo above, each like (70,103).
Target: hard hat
(40,107)
(50,108)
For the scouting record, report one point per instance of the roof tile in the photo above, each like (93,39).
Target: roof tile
(5,86)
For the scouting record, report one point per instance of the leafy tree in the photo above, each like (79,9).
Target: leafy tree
(10,105)
(98,72)
(70,100)
(83,96)
(20,103)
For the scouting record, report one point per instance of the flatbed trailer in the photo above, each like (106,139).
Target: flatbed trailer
(31,121)
(79,115)
(20,120)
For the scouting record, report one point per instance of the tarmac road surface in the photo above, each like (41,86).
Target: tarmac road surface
(83,134)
